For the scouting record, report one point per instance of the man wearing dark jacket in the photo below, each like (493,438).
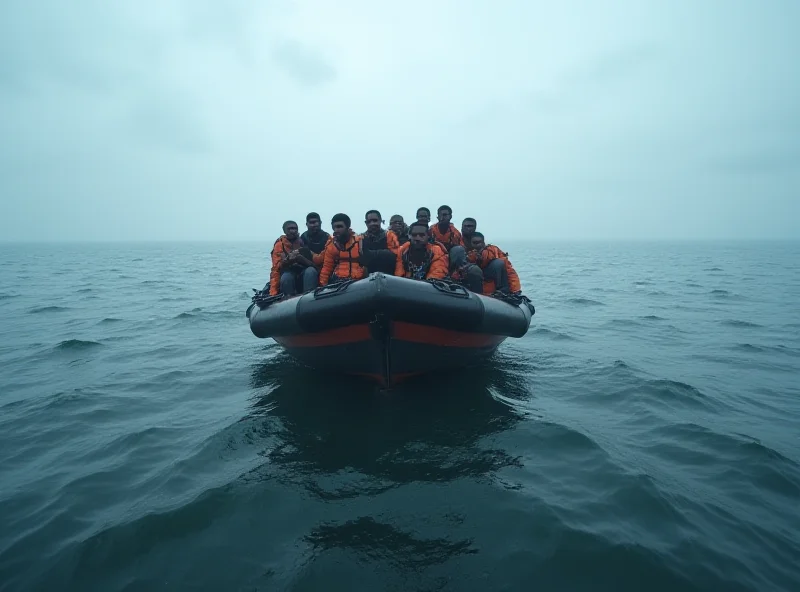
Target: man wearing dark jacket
(379,247)
(315,238)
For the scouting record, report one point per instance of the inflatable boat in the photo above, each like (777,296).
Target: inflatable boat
(389,328)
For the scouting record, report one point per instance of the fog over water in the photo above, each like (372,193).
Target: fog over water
(193,120)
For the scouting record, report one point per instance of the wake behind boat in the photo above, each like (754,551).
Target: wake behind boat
(389,328)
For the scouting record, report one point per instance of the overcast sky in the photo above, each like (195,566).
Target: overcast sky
(200,119)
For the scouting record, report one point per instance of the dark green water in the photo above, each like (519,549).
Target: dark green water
(645,434)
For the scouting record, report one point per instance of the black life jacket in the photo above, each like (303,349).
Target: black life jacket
(375,243)
(418,271)
(315,244)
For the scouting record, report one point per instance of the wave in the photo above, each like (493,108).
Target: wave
(556,335)
(643,283)
(85,290)
(48,309)
(693,285)
(741,324)
(109,320)
(185,315)
(7,296)
(76,344)
(724,295)
(668,392)
(652,318)
(623,323)
(713,269)
(766,349)
(585,302)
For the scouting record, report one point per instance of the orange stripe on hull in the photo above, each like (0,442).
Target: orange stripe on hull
(442,337)
(409,332)
(351,334)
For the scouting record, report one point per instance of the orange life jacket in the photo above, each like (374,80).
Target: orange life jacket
(434,264)
(489,254)
(342,262)
(282,247)
(449,238)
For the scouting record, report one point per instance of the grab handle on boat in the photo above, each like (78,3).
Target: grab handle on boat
(515,300)
(262,300)
(332,289)
(449,287)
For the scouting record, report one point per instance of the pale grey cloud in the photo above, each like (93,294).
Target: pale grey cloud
(304,64)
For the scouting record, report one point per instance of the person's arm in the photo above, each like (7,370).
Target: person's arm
(513,279)
(275,269)
(392,242)
(399,269)
(327,264)
(458,240)
(439,264)
(319,258)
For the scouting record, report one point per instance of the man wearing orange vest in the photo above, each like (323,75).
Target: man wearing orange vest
(292,269)
(342,256)
(498,273)
(419,259)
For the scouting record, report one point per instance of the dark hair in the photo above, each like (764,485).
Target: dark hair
(395,217)
(413,224)
(341,218)
(448,208)
(423,209)
(478,234)
(373,212)
(312,216)
(470,220)
(285,224)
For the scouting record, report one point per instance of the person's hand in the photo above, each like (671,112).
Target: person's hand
(292,255)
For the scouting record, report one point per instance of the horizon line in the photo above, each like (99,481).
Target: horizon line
(510,239)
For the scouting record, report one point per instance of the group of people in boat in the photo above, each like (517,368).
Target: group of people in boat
(301,262)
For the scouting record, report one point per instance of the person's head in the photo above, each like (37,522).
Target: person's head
(444,214)
(418,233)
(397,223)
(290,230)
(373,221)
(468,226)
(340,224)
(424,216)
(313,222)
(477,241)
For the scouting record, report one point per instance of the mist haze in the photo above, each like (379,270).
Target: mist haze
(190,120)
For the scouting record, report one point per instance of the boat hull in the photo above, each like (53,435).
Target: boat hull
(389,329)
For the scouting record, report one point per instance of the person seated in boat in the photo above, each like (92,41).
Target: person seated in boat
(498,273)
(315,238)
(293,268)
(444,231)
(458,256)
(342,256)
(468,228)
(419,259)
(399,228)
(424,215)
(379,248)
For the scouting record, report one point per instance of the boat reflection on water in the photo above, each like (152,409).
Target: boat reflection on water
(317,426)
